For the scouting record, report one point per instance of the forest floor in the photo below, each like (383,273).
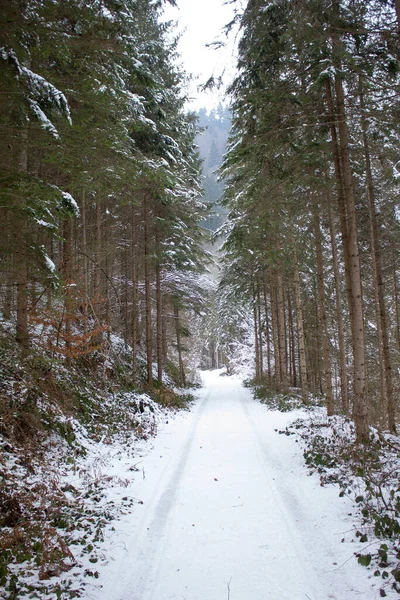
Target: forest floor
(232,500)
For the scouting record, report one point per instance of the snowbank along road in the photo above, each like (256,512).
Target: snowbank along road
(230,513)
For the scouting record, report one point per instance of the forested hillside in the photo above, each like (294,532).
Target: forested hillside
(102,273)
(312,188)
(101,198)
(212,140)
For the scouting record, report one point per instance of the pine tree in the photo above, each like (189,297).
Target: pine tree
(300,135)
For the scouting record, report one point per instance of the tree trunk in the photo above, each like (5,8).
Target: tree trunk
(282,332)
(106,316)
(68,289)
(300,329)
(22,333)
(340,194)
(260,340)
(382,319)
(322,312)
(125,269)
(85,265)
(267,336)
(396,300)
(164,332)
(256,338)
(179,345)
(159,323)
(22,330)
(213,353)
(8,298)
(134,311)
(147,292)
(317,345)
(97,299)
(292,344)
(360,407)
(275,334)
(8,283)
(344,384)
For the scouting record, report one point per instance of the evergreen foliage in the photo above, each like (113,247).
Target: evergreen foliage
(311,186)
(212,140)
(101,183)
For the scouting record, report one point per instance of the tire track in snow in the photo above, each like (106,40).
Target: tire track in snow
(281,501)
(301,521)
(280,576)
(224,513)
(149,543)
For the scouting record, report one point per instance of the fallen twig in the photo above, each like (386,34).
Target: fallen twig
(229,588)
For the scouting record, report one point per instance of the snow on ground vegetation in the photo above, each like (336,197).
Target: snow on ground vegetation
(235,499)
(70,446)
(366,475)
(57,502)
(369,477)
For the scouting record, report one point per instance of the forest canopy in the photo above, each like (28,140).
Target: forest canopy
(312,189)
(101,198)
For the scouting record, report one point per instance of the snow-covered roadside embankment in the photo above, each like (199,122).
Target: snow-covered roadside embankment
(60,494)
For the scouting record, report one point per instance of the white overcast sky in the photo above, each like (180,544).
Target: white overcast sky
(202,23)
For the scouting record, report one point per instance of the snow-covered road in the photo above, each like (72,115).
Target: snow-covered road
(230,512)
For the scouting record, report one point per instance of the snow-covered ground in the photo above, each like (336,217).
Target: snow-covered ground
(225,509)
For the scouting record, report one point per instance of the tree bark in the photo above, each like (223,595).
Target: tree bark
(164,332)
(344,384)
(159,343)
(134,311)
(68,289)
(300,329)
(322,312)
(97,299)
(260,336)
(106,313)
(179,345)
(396,300)
(381,312)
(256,337)
(282,332)
(275,333)
(147,292)
(85,265)
(340,193)
(267,336)
(292,344)
(360,406)
(22,330)
(125,269)
(8,298)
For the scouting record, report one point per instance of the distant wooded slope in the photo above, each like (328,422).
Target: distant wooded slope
(212,145)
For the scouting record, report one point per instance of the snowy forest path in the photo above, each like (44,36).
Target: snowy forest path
(233,514)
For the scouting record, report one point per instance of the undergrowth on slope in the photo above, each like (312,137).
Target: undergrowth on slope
(284,402)
(53,501)
(368,474)
(49,525)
